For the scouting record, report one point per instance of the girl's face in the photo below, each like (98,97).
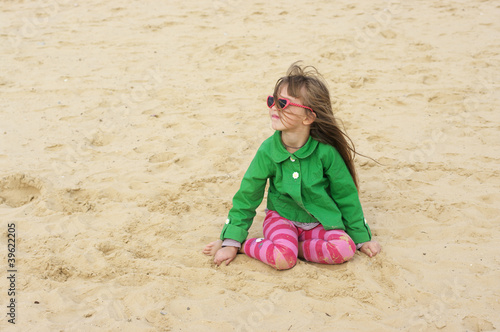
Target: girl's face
(288,119)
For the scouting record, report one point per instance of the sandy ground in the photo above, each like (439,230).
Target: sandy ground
(125,128)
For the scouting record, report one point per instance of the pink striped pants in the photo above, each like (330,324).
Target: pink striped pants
(283,242)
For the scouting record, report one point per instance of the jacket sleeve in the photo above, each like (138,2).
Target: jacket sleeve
(248,198)
(345,194)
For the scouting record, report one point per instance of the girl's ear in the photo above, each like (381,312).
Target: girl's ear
(310,118)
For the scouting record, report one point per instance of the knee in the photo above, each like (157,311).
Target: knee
(284,259)
(340,251)
(346,249)
(352,246)
(285,264)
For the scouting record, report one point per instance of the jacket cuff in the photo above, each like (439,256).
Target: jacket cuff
(236,233)
(360,235)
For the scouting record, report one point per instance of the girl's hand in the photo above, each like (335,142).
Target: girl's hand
(226,254)
(371,248)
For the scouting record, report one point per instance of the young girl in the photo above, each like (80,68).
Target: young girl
(313,208)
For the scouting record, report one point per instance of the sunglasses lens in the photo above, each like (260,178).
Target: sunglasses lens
(282,102)
(270,101)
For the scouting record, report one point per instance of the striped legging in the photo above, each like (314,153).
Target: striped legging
(283,242)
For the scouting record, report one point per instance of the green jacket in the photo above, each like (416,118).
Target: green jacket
(310,185)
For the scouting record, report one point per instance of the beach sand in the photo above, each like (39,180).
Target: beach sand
(126,127)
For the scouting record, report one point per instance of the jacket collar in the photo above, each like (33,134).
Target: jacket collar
(280,154)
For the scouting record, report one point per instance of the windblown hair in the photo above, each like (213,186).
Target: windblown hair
(309,86)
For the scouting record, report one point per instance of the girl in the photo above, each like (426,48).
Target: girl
(313,208)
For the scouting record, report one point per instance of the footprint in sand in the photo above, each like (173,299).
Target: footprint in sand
(18,190)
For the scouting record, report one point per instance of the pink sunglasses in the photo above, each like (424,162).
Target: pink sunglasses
(284,103)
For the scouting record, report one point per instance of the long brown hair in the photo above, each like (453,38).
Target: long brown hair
(308,85)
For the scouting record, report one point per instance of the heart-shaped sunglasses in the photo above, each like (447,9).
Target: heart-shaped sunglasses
(284,103)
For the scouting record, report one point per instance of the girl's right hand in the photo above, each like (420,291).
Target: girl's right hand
(226,254)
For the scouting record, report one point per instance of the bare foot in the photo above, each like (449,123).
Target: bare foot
(212,248)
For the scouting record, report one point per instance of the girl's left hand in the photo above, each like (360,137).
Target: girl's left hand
(371,248)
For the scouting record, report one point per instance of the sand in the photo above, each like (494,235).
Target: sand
(125,128)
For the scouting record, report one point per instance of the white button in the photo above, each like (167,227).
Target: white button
(227,221)
(293,160)
(295,175)
(259,240)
